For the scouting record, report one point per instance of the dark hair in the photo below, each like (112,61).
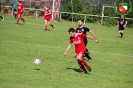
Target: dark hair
(71,30)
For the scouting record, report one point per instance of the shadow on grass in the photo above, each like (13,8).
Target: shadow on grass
(36,69)
(76,70)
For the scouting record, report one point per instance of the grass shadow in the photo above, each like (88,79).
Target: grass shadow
(36,69)
(76,70)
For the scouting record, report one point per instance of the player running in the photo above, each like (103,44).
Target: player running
(15,6)
(77,39)
(84,30)
(121,23)
(1,17)
(20,12)
(47,17)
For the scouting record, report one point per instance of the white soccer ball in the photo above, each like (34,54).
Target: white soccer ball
(37,61)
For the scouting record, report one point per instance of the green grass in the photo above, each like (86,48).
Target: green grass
(112,64)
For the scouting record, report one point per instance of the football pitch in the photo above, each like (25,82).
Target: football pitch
(20,44)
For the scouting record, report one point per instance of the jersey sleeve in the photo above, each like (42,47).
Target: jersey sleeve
(70,41)
(87,29)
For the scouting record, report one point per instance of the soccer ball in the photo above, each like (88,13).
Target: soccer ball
(37,61)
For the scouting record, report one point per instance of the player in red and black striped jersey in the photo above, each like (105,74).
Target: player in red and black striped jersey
(121,23)
(80,48)
(84,30)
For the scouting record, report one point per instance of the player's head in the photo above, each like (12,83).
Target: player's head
(45,6)
(18,1)
(80,23)
(122,16)
(71,32)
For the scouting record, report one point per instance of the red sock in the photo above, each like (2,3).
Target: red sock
(46,27)
(18,20)
(83,68)
(84,62)
(52,26)
(22,19)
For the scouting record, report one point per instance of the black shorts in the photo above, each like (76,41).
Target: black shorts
(14,9)
(121,28)
(85,41)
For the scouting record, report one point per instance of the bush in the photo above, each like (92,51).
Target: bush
(109,22)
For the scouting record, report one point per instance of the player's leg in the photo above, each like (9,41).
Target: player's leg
(121,29)
(15,13)
(87,54)
(19,17)
(81,66)
(45,25)
(121,33)
(2,17)
(51,24)
(79,57)
(49,19)
(22,18)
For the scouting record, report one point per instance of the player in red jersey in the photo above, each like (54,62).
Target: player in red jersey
(77,39)
(47,17)
(20,12)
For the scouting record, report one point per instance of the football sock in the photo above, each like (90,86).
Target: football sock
(52,26)
(84,62)
(46,27)
(121,35)
(22,19)
(18,20)
(81,66)
(1,17)
(15,16)
(87,54)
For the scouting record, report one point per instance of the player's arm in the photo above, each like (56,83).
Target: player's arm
(118,23)
(22,9)
(92,39)
(92,33)
(125,24)
(68,47)
(47,12)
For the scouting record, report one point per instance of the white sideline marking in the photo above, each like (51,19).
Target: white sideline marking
(112,54)
(39,45)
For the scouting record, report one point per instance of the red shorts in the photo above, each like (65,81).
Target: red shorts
(20,13)
(81,51)
(48,18)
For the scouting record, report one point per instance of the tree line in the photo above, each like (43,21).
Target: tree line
(93,7)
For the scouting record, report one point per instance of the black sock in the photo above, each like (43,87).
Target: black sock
(1,17)
(121,35)
(15,16)
(87,54)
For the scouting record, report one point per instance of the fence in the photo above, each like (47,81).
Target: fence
(40,13)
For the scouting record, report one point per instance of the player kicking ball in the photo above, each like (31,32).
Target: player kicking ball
(77,39)
(47,18)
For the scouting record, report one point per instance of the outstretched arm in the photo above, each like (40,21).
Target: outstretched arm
(92,39)
(92,33)
(68,47)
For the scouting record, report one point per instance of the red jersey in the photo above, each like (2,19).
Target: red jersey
(20,8)
(79,42)
(47,17)
(47,11)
